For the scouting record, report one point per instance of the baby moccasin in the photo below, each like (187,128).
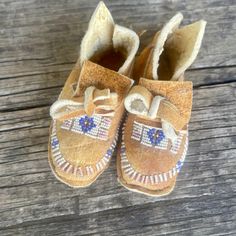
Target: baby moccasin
(87,115)
(155,134)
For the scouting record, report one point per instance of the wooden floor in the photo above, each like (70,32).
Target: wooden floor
(39,43)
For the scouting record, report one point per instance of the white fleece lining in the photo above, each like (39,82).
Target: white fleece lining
(132,107)
(195,50)
(103,34)
(172,25)
(98,37)
(128,39)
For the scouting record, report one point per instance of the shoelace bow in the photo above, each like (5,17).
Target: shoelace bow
(140,102)
(94,101)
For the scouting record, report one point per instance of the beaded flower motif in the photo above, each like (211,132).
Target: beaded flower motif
(86,123)
(155,136)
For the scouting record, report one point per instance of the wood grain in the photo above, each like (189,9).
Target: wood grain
(39,43)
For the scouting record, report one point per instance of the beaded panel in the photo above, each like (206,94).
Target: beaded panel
(149,136)
(96,127)
(154,137)
(153,179)
(175,147)
(78,171)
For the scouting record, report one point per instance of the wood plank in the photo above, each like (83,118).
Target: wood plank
(38,37)
(25,172)
(39,44)
(146,219)
(42,90)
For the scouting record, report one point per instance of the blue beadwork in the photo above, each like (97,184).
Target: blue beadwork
(155,136)
(55,142)
(86,123)
(179,165)
(109,152)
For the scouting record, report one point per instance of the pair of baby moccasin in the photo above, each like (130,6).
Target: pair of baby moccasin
(153,109)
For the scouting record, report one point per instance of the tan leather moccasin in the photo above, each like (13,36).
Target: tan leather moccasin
(88,112)
(155,134)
